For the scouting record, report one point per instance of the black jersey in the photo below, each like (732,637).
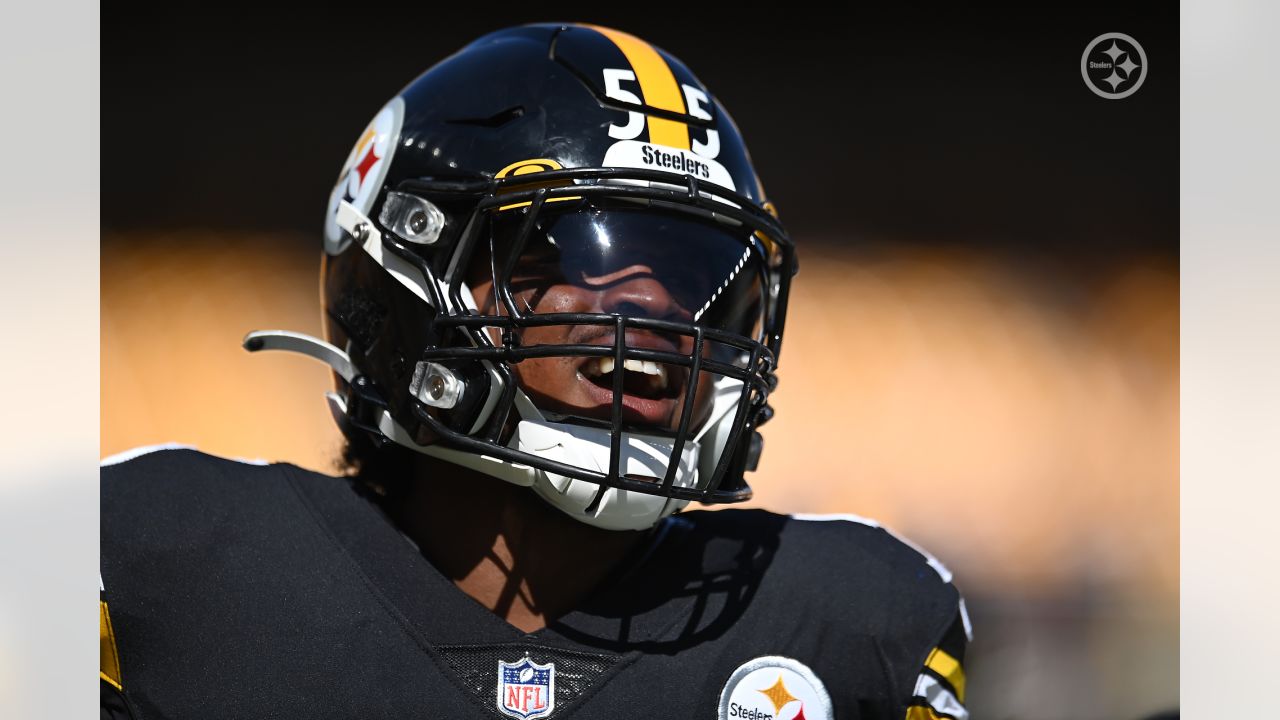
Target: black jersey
(236,590)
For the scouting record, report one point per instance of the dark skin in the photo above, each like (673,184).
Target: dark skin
(525,561)
(519,557)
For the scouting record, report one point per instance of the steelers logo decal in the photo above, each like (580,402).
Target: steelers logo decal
(774,688)
(363,172)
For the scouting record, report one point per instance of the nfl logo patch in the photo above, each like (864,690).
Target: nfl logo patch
(526,689)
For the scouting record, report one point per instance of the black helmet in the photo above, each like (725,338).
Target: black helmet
(550,259)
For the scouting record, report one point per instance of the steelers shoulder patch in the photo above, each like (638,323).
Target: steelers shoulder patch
(774,688)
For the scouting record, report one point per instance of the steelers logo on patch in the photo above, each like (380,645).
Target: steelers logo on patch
(363,172)
(774,688)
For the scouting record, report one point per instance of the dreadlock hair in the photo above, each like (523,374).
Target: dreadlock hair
(382,469)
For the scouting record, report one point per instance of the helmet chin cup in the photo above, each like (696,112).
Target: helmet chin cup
(643,457)
(617,509)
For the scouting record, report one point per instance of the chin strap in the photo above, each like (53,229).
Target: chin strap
(522,475)
(304,344)
(377,419)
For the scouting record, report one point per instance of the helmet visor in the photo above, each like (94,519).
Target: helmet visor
(633,261)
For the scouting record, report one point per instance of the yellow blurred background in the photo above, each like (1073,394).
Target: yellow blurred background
(1017,418)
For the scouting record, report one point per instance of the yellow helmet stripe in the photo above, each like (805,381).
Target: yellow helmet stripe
(657,84)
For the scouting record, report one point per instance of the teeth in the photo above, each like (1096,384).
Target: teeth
(658,372)
(603,366)
(598,366)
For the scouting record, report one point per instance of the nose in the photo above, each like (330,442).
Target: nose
(635,290)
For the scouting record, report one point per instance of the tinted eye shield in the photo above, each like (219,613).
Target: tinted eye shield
(685,269)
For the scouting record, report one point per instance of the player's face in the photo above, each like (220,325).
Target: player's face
(654,393)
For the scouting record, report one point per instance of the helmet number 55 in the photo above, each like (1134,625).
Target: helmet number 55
(694,98)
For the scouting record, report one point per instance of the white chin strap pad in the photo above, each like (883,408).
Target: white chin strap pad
(586,447)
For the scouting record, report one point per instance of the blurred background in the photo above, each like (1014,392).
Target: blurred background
(982,349)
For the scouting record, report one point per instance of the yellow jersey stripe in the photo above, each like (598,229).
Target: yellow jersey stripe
(109,659)
(922,712)
(657,84)
(949,668)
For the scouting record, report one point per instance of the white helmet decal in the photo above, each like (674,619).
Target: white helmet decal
(363,172)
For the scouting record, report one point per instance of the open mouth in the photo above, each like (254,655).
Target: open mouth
(641,378)
(651,391)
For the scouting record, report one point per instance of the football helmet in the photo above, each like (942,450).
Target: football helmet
(549,259)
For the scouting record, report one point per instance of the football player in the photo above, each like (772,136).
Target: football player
(554,293)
